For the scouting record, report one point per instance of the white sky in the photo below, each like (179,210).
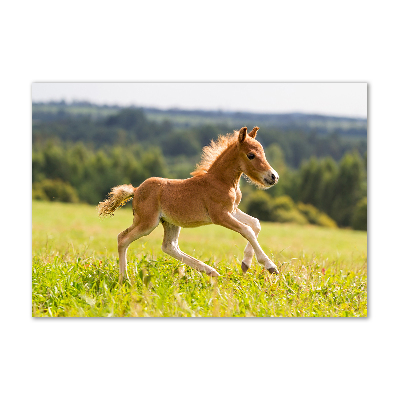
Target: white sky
(342,99)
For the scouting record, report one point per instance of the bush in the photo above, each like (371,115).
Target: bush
(293,216)
(283,203)
(281,209)
(359,220)
(38,193)
(259,205)
(310,212)
(54,190)
(315,216)
(325,220)
(284,210)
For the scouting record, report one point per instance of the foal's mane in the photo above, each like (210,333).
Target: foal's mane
(213,151)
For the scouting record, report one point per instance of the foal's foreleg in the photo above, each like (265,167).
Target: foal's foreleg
(170,246)
(255,225)
(228,221)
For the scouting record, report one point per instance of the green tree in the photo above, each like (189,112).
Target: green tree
(55,165)
(310,179)
(276,159)
(153,163)
(77,158)
(180,142)
(326,188)
(206,133)
(348,188)
(359,221)
(38,173)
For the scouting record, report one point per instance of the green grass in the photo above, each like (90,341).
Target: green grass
(75,273)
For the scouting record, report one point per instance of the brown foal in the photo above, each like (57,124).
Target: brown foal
(211,196)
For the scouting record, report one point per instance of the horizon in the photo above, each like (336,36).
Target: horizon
(166,109)
(343,100)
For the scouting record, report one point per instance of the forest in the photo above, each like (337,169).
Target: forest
(80,150)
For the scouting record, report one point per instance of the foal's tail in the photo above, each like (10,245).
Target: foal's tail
(118,196)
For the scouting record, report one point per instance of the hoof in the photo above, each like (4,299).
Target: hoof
(213,273)
(273,270)
(245,268)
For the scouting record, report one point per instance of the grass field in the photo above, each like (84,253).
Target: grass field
(75,273)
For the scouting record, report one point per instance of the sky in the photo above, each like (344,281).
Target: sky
(340,99)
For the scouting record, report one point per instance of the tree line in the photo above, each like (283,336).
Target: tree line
(77,157)
(322,191)
(131,125)
(337,190)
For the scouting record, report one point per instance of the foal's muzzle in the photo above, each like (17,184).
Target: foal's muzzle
(272,178)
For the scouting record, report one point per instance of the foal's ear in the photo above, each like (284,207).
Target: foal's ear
(242,134)
(253,133)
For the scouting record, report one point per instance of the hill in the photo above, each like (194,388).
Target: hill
(319,124)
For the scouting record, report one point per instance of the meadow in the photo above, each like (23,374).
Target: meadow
(323,271)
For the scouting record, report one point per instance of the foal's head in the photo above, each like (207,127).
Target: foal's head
(252,160)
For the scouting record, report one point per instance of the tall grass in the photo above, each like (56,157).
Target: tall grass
(74,270)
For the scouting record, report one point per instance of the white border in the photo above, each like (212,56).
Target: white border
(172,41)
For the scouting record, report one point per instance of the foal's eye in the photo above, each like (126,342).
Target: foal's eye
(250,156)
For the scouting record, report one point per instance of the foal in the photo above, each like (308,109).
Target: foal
(211,196)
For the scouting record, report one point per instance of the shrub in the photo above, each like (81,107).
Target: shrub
(259,205)
(309,211)
(284,203)
(359,220)
(38,193)
(293,216)
(325,220)
(54,190)
(281,209)
(315,216)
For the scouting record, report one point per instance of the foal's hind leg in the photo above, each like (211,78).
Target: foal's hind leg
(140,227)
(254,224)
(170,246)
